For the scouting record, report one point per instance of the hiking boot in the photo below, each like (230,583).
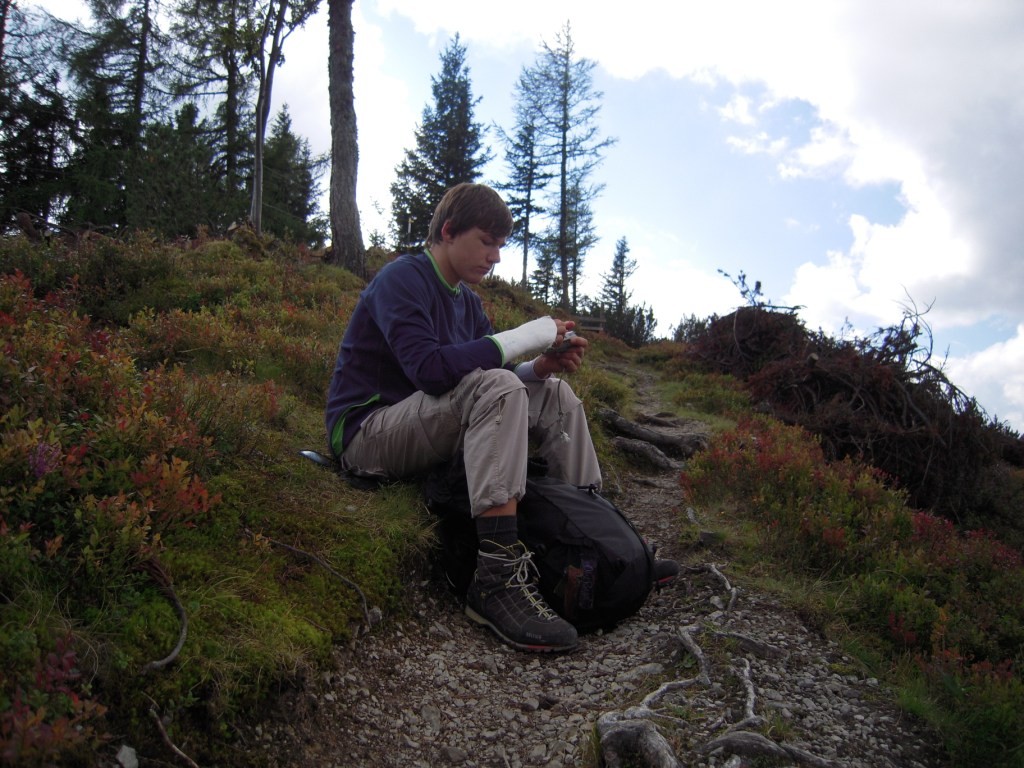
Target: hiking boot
(665,572)
(503,595)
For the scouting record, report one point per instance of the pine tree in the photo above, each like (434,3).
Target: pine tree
(118,71)
(292,191)
(558,90)
(449,150)
(527,176)
(213,71)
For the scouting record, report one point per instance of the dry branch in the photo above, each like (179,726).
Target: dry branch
(319,561)
(167,740)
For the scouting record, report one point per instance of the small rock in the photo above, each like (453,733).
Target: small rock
(127,758)
(455,755)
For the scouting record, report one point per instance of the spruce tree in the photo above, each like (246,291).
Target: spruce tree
(213,71)
(277,19)
(118,70)
(614,296)
(36,125)
(176,194)
(558,89)
(291,208)
(449,150)
(631,324)
(527,176)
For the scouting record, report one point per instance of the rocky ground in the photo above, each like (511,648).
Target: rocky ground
(709,673)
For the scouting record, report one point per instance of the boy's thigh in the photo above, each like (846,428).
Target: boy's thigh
(406,438)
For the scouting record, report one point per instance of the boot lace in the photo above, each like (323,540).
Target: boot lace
(523,576)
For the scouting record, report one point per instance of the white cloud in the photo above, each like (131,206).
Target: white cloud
(995,377)
(759,144)
(738,110)
(827,153)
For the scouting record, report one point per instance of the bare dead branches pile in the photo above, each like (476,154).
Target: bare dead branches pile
(743,342)
(880,399)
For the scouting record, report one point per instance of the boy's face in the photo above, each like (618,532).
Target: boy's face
(469,256)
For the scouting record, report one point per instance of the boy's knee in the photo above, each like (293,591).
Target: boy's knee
(497,379)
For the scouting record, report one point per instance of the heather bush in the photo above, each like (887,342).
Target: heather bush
(983,721)
(908,578)
(147,456)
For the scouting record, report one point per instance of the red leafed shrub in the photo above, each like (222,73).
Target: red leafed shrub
(49,721)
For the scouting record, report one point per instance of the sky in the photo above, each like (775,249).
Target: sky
(859,158)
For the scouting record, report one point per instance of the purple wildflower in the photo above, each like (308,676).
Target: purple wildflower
(45,458)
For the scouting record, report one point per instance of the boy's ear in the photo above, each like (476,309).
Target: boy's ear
(446,229)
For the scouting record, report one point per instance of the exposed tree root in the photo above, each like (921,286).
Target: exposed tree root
(632,738)
(167,739)
(750,718)
(749,744)
(644,450)
(686,638)
(759,648)
(624,742)
(163,580)
(682,446)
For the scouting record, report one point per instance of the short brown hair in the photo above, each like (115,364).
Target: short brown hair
(471,205)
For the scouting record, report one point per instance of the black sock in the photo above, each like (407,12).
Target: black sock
(502,530)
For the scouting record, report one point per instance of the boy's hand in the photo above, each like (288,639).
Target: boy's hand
(565,355)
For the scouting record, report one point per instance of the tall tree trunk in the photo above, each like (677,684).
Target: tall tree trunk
(274,29)
(140,74)
(232,87)
(346,236)
(6,6)
(563,179)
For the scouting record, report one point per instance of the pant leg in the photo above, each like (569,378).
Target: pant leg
(485,415)
(558,423)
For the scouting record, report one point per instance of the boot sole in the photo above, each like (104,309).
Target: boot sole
(530,647)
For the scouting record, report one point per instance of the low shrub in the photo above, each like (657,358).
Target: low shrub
(139,465)
(909,578)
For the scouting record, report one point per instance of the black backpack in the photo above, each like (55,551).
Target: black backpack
(595,568)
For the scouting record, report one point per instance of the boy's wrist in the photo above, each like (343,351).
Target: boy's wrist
(527,371)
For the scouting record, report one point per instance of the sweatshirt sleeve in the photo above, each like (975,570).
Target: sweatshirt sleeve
(435,339)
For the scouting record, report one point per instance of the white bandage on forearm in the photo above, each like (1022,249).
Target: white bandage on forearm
(533,336)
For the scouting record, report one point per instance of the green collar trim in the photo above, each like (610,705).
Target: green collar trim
(455,291)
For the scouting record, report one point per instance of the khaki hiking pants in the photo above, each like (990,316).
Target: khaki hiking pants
(493,417)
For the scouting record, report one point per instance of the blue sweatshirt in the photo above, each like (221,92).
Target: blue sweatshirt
(410,331)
